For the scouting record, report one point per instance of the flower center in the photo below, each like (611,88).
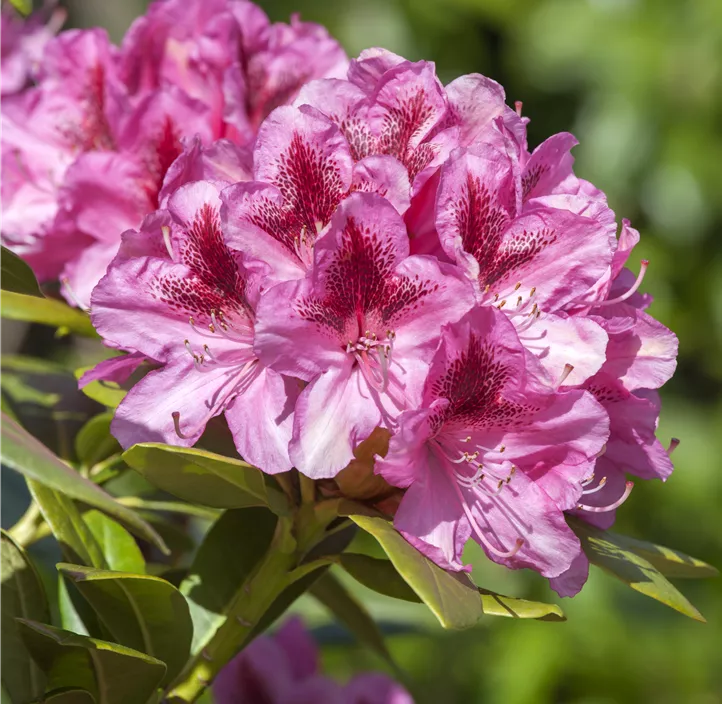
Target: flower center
(374,357)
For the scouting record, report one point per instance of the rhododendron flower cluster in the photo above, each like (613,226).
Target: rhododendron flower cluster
(284,669)
(86,150)
(316,260)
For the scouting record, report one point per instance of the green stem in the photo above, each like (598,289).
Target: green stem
(24,532)
(251,602)
(308,489)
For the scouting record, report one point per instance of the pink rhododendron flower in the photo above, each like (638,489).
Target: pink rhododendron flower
(360,328)
(23,42)
(284,669)
(303,169)
(86,151)
(475,452)
(190,309)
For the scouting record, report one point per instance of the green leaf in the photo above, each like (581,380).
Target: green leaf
(112,673)
(670,563)
(338,600)
(494,604)
(94,442)
(140,611)
(44,398)
(198,476)
(452,598)
(76,540)
(22,596)
(119,548)
(24,7)
(17,306)
(17,276)
(377,574)
(611,552)
(231,549)
(69,696)
(109,393)
(381,576)
(28,456)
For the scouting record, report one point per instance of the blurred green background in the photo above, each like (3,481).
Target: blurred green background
(639,82)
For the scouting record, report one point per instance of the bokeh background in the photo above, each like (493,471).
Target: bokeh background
(639,82)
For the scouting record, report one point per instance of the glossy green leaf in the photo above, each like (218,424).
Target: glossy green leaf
(17,276)
(94,442)
(140,611)
(23,596)
(112,673)
(494,604)
(25,454)
(69,696)
(76,540)
(670,563)
(108,393)
(452,598)
(198,476)
(231,549)
(377,574)
(18,306)
(119,548)
(349,611)
(612,553)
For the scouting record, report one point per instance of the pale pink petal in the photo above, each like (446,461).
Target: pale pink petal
(334,414)
(386,176)
(475,101)
(370,66)
(261,421)
(81,275)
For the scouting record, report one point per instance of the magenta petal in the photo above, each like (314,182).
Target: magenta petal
(375,688)
(116,369)
(146,413)
(571,581)
(300,649)
(386,176)
(475,101)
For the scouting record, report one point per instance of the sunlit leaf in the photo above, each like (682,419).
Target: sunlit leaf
(349,611)
(377,574)
(140,611)
(24,7)
(670,563)
(198,476)
(452,598)
(119,548)
(613,555)
(494,604)
(17,276)
(25,454)
(231,549)
(112,673)
(23,596)
(17,306)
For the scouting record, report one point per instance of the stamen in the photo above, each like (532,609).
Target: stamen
(673,444)
(176,425)
(166,238)
(568,369)
(602,509)
(72,296)
(599,486)
(632,290)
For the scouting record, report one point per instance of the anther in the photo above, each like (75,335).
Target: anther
(517,106)
(502,304)
(599,486)
(532,292)
(518,286)
(673,443)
